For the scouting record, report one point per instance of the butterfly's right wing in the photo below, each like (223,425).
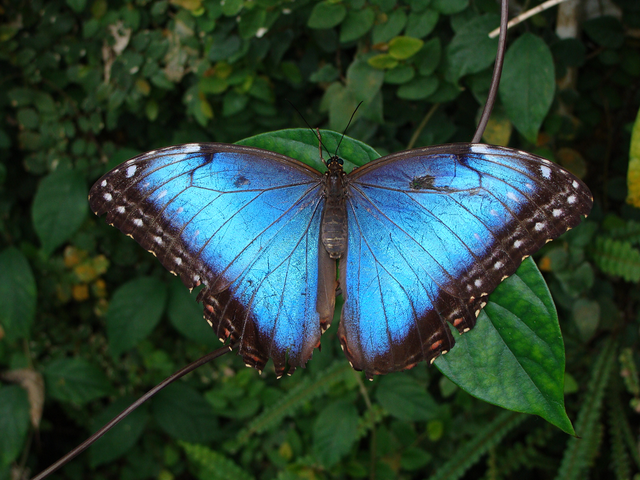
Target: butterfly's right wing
(245,223)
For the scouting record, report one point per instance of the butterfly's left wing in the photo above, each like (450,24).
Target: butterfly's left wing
(245,223)
(432,232)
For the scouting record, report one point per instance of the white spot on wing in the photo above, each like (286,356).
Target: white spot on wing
(137,222)
(107,197)
(539,226)
(480,148)
(131,171)
(512,196)
(546,171)
(191,148)
(517,243)
(104,183)
(178,261)
(161,194)
(158,240)
(498,265)
(571,199)
(575,184)
(120,209)
(557,212)
(478,282)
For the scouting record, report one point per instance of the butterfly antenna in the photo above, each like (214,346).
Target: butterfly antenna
(497,72)
(87,443)
(347,128)
(316,131)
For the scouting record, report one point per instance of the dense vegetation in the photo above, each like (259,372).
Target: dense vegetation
(89,320)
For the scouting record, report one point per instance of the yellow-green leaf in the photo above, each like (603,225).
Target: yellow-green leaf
(633,177)
(383,61)
(402,48)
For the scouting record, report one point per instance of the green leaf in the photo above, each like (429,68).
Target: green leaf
(120,439)
(606,31)
(252,21)
(302,144)
(418,88)
(514,357)
(14,422)
(449,7)
(326,15)
(528,84)
(405,398)
(471,50)
(428,58)
(335,431)
(77,5)
(183,413)
(75,380)
(384,32)
(404,47)
(356,24)
(59,208)
(134,311)
(414,458)
(231,8)
(399,75)
(17,294)
(233,103)
(185,314)
(382,61)
(363,81)
(419,25)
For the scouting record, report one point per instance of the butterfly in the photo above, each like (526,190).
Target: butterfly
(420,239)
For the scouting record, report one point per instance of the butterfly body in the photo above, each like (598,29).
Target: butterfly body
(334,216)
(423,238)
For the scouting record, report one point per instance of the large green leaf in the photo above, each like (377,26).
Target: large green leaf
(14,422)
(514,357)
(471,50)
(17,294)
(120,439)
(59,208)
(528,84)
(335,431)
(405,398)
(184,414)
(75,380)
(134,311)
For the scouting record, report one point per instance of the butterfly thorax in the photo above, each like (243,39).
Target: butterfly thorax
(334,216)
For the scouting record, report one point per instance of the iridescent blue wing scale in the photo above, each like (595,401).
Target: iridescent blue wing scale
(432,232)
(245,223)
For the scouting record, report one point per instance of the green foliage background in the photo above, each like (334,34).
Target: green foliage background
(84,85)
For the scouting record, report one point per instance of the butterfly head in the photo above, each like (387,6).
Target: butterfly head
(334,163)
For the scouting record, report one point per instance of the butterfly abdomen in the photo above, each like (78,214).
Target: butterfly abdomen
(334,217)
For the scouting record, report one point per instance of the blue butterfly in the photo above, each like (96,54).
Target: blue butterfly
(422,238)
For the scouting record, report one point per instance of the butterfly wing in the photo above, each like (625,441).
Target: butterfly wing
(432,232)
(245,223)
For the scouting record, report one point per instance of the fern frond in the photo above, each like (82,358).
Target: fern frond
(581,451)
(617,258)
(211,465)
(619,456)
(523,454)
(630,232)
(629,372)
(470,453)
(305,390)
